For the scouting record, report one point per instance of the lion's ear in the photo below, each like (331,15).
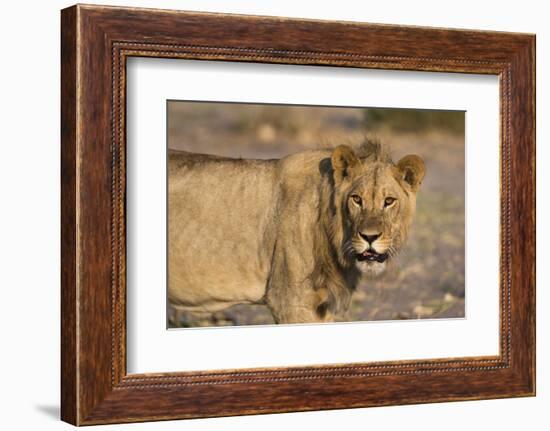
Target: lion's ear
(344,162)
(412,170)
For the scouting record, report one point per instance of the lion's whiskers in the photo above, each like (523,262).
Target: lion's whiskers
(349,249)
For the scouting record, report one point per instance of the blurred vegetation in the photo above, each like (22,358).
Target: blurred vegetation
(414,120)
(427,280)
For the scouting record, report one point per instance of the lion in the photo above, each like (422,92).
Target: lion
(296,234)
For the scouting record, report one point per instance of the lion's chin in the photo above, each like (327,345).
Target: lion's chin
(370,268)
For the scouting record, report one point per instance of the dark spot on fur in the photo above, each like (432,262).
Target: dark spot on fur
(325,166)
(322,309)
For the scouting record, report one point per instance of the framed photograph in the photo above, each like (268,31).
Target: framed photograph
(263,215)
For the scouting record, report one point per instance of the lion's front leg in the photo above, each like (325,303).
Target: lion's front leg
(298,303)
(292,293)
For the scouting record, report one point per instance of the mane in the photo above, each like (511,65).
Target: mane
(373,149)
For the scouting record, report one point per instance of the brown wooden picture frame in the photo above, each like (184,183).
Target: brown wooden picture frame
(96,41)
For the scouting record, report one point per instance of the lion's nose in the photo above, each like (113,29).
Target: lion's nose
(370,237)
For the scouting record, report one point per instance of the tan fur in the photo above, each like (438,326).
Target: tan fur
(286,233)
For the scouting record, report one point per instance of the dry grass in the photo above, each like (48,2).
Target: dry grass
(428,279)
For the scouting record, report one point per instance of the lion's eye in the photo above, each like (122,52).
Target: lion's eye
(357,199)
(389,201)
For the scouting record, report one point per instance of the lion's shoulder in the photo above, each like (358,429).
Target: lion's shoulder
(304,166)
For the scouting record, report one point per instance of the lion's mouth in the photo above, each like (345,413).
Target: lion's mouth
(371,256)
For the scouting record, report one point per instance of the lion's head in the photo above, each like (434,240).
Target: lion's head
(374,201)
